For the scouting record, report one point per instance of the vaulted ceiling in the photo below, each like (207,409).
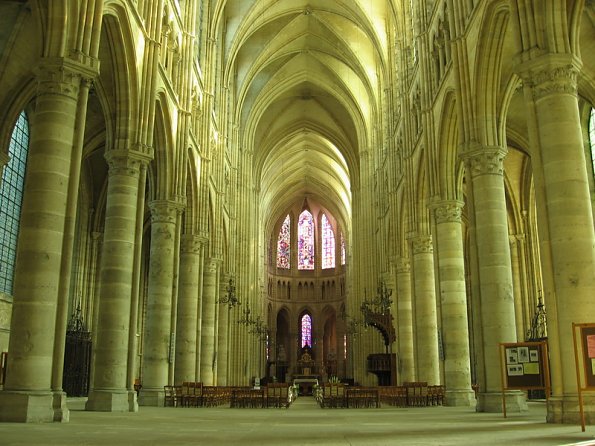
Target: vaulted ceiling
(306,75)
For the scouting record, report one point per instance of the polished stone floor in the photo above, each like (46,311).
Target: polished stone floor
(304,423)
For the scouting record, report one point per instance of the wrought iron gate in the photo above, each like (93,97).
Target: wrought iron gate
(77,357)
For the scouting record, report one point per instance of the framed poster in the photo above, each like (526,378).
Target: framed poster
(524,367)
(584,357)
(588,341)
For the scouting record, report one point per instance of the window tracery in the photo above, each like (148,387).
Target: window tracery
(284,244)
(306,241)
(328,244)
(11,197)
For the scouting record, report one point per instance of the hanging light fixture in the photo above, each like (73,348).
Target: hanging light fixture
(230,299)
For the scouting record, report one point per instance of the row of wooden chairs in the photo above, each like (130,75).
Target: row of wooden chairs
(413,394)
(332,395)
(278,395)
(340,395)
(362,397)
(195,394)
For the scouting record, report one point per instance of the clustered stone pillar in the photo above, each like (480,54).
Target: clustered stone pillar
(486,169)
(109,387)
(519,307)
(551,90)
(187,321)
(428,362)
(207,353)
(27,393)
(453,303)
(222,337)
(158,346)
(405,322)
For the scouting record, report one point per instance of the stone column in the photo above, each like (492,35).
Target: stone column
(158,346)
(405,322)
(207,338)
(453,303)
(424,288)
(517,287)
(222,337)
(27,393)
(486,169)
(187,325)
(563,191)
(109,387)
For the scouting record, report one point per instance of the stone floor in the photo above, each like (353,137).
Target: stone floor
(304,423)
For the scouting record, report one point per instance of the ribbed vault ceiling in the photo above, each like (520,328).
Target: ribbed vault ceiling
(306,78)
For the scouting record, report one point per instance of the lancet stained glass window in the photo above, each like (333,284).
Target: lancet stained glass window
(11,197)
(306,241)
(306,330)
(328,244)
(342,249)
(283,244)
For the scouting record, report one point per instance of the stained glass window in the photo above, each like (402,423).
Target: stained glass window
(11,197)
(283,244)
(342,249)
(328,244)
(306,241)
(306,330)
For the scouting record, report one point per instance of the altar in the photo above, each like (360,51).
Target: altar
(305,385)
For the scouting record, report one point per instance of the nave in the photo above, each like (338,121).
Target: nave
(303,423)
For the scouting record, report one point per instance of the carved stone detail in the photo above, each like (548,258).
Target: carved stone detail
(403,265)
(211,265)
(191,243)
(422,244)
(124,162)
(448,211)
(485,161)
(557,80)
(165,211)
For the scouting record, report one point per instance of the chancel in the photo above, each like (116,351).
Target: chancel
(352,203)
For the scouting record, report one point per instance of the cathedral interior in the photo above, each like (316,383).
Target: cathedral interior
(235,192)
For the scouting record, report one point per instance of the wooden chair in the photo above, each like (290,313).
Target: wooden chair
(284,396)
(171,396)
(272,392)
(436,395)
(187,394)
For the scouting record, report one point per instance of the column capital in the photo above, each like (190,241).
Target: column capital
(484,160)
(403,265)
(126,162)
(550,74)
(516,239)
(191,243)
(211,265)
(422,244)
(165,211)
(62,75)
(447,211)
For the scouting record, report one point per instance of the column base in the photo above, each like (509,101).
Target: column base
(152,397)
(26,407)
(460,398)
(61,411)
(110,401)
(566,410)
(516,401)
